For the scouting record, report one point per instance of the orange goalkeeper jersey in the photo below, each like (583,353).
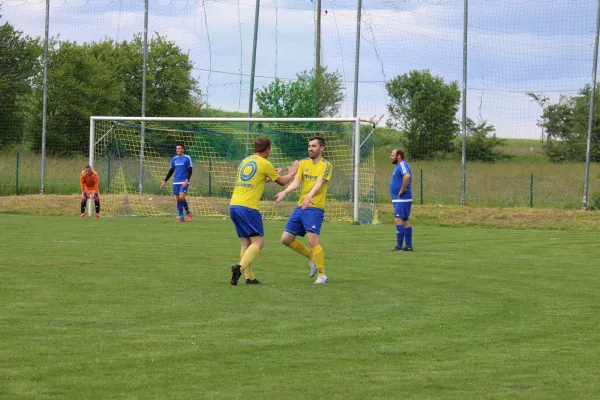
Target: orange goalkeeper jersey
(89,183)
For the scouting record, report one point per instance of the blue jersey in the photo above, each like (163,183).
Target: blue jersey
(401,169)
(181,165)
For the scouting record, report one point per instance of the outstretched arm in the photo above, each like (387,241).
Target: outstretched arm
(292,169)
(293,186)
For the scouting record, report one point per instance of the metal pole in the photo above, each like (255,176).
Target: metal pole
(252,74)
(210,178)
(45,99)
(108,178)
(531,191)
(318,45)
(591,116)
(17,177)
(357,58)
(421,186)
(144,73)
(356,149)
(463,194)
(91,157)
(356,169)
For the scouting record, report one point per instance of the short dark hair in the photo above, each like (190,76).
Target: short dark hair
(180,144)
(262,144)
(399,152)
(321,140)
(88,166)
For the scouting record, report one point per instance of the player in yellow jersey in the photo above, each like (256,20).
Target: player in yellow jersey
(254,171)
(313,174)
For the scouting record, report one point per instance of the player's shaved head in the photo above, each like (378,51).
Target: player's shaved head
(262,144)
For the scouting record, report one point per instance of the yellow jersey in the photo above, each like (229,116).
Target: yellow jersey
(251,178)
(309,173)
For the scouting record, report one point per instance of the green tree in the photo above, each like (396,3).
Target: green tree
(105,78)
(566,126)
(480,146)
(424,107)
(303,97)
(19,63)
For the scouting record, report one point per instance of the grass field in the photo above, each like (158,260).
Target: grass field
(142,308)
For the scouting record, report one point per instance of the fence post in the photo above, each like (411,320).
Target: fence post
(531,191)
(17,176)
(210,178)
(421,185)
(108,178)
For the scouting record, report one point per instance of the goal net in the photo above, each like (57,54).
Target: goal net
(132,156)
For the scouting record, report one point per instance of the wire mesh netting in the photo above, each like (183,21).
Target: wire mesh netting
(529,77)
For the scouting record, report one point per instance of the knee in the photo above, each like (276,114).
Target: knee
(286,240)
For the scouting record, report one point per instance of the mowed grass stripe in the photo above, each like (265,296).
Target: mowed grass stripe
(148,313)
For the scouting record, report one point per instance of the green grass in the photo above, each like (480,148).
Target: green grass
(142,308)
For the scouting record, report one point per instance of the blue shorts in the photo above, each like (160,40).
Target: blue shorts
(309,220)
(178,189)
(248,222)
(402,209)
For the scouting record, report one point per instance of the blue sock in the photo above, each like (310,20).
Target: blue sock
(408,233)
(399,235)
(185,205)
(180,209)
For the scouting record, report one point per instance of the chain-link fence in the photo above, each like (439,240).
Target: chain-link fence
(528,76)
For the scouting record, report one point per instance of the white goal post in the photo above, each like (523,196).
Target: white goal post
(103,127)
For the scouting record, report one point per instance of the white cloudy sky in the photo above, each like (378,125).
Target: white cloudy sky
(515,46)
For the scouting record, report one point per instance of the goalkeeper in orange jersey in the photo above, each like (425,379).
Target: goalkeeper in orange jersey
(88,179)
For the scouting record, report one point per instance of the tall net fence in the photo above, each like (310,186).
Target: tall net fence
(529,67)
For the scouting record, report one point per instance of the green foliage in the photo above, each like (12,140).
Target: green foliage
(425,108)
(105,78)
(594,205)
(566,125)
(307,96)
(311,95)
(481,146)
(19,62)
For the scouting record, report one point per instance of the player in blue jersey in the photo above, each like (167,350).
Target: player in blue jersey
(182,166)
(402,200)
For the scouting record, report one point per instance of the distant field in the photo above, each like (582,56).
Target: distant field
(142,308)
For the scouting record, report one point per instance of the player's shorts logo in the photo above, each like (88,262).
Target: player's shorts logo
(248,171)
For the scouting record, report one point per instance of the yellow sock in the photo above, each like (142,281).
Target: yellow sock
(319,258)
(299,248)
(246,262)
(246,274)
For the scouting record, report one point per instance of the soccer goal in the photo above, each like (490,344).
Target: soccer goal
(132,157)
